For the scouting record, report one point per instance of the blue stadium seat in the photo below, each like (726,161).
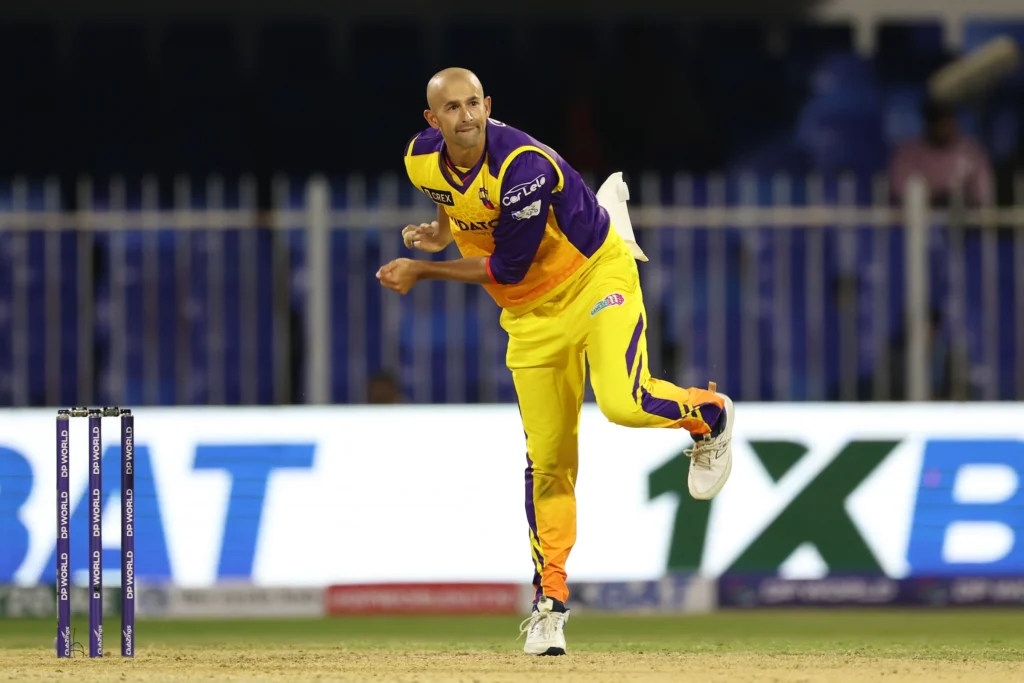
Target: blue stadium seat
(902,112)
(846,71)
(843,131)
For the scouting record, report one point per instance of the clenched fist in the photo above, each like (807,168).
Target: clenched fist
(399,275)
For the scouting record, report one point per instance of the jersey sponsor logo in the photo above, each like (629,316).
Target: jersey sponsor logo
(523,190)
(615,299)
(465,226)
(527,211)
(439,196)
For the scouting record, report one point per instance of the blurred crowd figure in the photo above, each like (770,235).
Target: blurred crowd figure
(959,173)
(383,388)
(951,162)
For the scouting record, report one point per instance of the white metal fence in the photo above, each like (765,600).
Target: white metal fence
(777,288)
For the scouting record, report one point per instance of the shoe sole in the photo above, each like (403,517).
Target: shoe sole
(714,491)
(550,652)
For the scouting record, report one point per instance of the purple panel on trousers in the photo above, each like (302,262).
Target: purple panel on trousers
(634,343)
(636,382)
(661,407)
(531,511)
(95,535)
(63,535)
(127,536)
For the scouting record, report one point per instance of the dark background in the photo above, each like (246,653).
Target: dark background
(717,89)
(301,87)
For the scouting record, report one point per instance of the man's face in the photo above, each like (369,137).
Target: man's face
(460,111)
(942,130)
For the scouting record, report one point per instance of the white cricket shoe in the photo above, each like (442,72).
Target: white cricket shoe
(544,629)
(711,456)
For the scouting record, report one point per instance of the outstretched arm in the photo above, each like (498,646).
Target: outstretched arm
(472,270)
(401,274)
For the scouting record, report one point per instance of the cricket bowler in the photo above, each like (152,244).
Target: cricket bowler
(546,249)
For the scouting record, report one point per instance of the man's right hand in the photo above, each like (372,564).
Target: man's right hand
(426,237)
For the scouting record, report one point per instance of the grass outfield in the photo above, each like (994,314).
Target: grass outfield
(838,646)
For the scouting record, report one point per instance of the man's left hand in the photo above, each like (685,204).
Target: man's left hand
(399,275)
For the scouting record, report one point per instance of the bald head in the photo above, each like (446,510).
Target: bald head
(440,82)
(458,108)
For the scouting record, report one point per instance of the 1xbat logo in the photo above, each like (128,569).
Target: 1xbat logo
(816,515)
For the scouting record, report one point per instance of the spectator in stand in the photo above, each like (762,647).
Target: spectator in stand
(384,389)
(950,162)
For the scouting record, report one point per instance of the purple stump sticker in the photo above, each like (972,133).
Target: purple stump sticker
(127,534)
(63,534)
(95,533)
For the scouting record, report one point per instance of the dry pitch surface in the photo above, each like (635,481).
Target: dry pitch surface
(732,647)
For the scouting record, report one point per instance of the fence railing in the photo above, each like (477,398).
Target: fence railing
(777,288)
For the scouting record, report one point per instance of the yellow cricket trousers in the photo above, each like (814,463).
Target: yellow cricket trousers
(599,319)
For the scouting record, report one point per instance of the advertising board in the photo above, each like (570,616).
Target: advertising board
(295,497)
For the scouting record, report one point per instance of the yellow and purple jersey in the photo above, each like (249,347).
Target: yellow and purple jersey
(522,206)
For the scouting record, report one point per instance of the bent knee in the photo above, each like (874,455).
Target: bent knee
(620,412)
